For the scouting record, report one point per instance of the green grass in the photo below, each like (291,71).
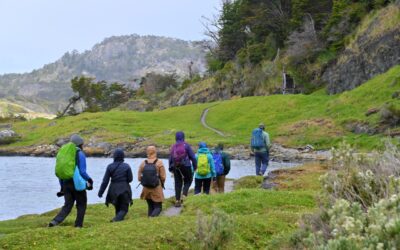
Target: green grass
(292,120)
(260,218)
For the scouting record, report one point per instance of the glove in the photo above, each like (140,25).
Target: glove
(171,169)
(89,186)
(60,194)
(100,195)
(90,181)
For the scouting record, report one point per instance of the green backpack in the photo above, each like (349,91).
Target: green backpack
(203,168)
(66,161)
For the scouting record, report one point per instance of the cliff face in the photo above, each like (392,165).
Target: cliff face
(374,50)
(121,59)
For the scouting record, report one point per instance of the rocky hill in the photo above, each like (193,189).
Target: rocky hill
(122,59)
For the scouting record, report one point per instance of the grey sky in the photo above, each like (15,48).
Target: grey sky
(37,32)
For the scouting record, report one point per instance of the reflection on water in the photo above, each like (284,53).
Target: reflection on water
(28,184)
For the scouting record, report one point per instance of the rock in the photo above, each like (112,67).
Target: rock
(61,141)
(360,128)
(8,136)
(373,52)
(371,111)
(52,124)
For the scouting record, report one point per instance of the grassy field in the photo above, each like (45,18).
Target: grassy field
(292,120)
(260,219)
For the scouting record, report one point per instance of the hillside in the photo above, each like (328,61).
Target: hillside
(122,59)
(8,109)
(292,120)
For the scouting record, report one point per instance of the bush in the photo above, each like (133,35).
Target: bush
(390,114)
(360,203)
(212,233)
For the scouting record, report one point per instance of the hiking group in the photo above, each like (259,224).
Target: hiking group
(207,167)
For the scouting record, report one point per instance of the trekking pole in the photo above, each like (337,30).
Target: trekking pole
(138,185)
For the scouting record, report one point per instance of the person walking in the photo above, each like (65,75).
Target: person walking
(152,177)
(182,163)
(205,170)
(260,145)
(119,193)
(68,189)
(222,164)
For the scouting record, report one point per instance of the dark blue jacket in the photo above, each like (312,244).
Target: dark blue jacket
(117,172)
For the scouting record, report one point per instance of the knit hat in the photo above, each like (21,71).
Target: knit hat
(76,139)
(202,145)
(261,125)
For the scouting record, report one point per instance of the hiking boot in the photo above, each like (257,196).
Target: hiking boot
(53,223)
(178,203)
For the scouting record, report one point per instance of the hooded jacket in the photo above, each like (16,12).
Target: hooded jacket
(190,161)
(120,174)
(155,194)
(204,150)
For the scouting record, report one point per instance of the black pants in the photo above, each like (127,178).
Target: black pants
(70,196)
(154,208)
(202,183)
(183,177)
(121,207)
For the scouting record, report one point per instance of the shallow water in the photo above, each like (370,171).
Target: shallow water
(28,184)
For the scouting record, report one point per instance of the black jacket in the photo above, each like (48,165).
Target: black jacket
(120,174)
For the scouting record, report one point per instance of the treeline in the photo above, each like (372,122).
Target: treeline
(304,32)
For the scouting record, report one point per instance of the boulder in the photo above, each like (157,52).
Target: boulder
(8,136)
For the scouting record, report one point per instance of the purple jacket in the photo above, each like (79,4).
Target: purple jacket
(190,160)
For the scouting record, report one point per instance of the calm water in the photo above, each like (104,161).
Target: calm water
(28,184)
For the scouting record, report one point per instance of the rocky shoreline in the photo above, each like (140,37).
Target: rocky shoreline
(278,153)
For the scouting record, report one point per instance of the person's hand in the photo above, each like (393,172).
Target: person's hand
(90,181)
(60,194)
(100,195)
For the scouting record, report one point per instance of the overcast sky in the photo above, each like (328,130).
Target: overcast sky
(37,32)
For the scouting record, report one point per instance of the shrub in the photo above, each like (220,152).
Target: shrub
(212,233)
(360,203)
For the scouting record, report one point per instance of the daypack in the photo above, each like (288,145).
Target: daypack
(203,168)
(179,154)
(257,139)
(79,182)
(66,161)
(150,176)
(219,167)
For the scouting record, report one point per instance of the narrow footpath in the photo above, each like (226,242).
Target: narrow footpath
(175,211)
(203,122)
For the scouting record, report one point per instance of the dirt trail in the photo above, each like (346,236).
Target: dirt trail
(203,122)
(175,211)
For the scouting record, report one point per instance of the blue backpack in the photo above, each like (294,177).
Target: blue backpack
(257,140)
(219,167)
(79,182)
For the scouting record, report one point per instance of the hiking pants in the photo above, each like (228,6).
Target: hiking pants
(121,207)
(70,196)
(219,185)
(154,208)
(202,184)
(262,159)
(183,177)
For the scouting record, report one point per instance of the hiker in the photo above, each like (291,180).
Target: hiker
(205,170)
(152,177)
(119,193)
(260,144)
(69,186)
(182,163)
(222,163)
